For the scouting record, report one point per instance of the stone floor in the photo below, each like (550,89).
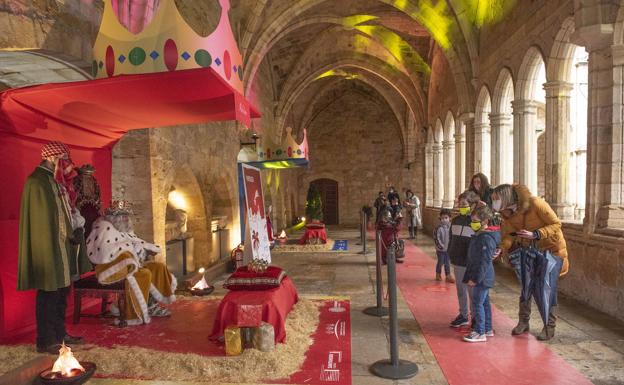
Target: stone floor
(590,341)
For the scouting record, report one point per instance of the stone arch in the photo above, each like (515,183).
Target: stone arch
(502,128)
(528,74)
(39,67)
(184,183)
(559,64)
(529,119)
(370,65)
(307,178)
(482,132)
(278,29)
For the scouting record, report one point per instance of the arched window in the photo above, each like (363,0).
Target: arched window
(482,133)
(448,147)
(438,164)
(529,122)
(578,135)
(502,130)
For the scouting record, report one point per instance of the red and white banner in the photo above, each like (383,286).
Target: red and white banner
(256,219)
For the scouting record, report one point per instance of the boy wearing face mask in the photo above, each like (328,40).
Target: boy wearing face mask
(480,272)
(460,236)
(441,237)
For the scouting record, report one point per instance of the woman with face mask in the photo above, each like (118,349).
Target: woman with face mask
(527,219)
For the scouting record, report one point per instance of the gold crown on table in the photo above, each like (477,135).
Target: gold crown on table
(119,206)
(166,43)
(288,149)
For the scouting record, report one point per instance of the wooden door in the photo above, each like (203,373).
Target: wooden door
(329,197)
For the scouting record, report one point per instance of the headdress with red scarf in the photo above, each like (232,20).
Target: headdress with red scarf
(53,149)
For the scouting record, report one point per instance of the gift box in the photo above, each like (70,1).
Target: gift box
(264,337)
(233,341)
(248,315)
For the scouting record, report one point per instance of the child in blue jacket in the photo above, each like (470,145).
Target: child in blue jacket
(479,274)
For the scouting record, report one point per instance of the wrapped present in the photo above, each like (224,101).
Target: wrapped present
(249,315)
(233,341)
(264,337)
(247,337)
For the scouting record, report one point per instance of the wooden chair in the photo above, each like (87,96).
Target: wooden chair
(90,287)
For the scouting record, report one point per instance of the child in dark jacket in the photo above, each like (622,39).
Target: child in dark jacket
(441,236)
(480,272)
(461,233)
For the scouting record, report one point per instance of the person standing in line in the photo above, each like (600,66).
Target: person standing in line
(412,203)
(380,203)
(441,237)
(393,194)
(461,234)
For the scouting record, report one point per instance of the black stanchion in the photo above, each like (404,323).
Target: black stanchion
(379,310)
(363,235)
(394,368)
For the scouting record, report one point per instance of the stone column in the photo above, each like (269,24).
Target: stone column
(438,174)
(448,147)
(429,174)
(604,209)
(557,148)
(482,153)
(500,126)
(470,150)
(525,143)
(460,159)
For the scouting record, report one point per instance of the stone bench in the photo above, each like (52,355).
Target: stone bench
(90,287)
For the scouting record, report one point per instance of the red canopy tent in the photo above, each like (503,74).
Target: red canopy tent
(90,117)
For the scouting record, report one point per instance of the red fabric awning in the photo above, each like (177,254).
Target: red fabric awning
(96,113)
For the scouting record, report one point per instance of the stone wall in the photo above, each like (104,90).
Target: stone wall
(354,141)
(596,275)
(442,95)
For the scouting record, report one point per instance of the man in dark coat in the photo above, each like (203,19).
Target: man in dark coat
(52,253)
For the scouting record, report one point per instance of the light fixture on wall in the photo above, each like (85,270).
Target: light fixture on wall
(255,138)
(177,200)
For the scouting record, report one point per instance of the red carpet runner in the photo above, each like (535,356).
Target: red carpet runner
(502,360)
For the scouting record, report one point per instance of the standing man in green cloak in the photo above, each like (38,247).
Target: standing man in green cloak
(52,253)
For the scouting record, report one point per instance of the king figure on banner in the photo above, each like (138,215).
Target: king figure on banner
(256,236)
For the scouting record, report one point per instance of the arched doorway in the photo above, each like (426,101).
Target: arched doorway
(329,197)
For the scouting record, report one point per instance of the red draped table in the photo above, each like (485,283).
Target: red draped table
(315,233)
(247,308)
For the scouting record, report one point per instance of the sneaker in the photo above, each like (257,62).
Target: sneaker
(475,337)
(489,333)
(459,321)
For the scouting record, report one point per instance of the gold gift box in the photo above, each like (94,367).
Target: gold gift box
(233,341)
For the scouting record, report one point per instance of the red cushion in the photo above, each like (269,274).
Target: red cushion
(315,225)
(243,279)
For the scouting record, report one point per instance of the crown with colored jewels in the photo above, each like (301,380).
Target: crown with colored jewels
(167,43)
(288,149)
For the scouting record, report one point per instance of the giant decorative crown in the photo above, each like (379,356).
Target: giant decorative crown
(288,149)
(167,43)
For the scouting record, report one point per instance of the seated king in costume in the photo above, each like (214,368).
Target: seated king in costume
(119,255)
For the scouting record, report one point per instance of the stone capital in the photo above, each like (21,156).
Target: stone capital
(524,106)
(448,144)
(466,117)
(482,128)
(500,119)
(593,37)
(558,89)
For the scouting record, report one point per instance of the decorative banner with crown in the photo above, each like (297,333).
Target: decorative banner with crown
(167,43)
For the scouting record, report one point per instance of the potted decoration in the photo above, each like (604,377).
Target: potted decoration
(314,206)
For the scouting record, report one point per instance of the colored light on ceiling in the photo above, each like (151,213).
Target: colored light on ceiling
(338,72)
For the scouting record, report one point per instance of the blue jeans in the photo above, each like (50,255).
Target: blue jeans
(483,310)
(443,258)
